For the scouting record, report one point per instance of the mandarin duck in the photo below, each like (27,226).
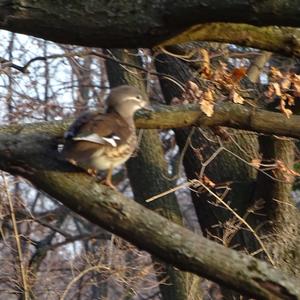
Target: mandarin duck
(99,141)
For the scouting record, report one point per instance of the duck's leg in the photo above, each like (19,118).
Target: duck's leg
(108,180)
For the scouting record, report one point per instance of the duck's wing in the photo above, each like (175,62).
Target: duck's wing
(96,127)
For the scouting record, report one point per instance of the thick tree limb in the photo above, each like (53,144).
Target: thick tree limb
(31,152)
(143,23)
(226,114)
(285,41)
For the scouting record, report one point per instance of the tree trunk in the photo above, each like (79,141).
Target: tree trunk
(224,168)
(281,217)
(147,172)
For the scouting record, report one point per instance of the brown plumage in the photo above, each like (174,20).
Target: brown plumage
(101,141)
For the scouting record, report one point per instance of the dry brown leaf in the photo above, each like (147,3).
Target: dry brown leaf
(284,169)
(255,162)
(269,93)
(208,96)
(294,173)
(192,93)
(227,81)
(198,93)
(206,71)
(207,103)
(219,73)
(285,110)
(236,98)
(296,84)
(290,99)
(275,73)
(238,73)
(192,85)
(223,67)
(207,107)
(285,83)
(277,89)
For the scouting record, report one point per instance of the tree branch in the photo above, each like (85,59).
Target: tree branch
(226,114)
(285,41)
(144,24)
(165,117)
(31,152)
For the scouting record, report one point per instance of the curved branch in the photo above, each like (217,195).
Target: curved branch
(32,154)
(285,41)
(144,24)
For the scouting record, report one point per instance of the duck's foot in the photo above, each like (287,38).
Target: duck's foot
(92,172)
(73,162)
(107,181)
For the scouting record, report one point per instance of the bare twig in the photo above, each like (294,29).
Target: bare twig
(184,185)
(17,238)
(80,275)
(197,182)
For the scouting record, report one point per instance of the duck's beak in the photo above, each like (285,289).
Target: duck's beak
(148,107)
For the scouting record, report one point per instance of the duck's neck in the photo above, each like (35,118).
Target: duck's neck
(129,120)
(127,116)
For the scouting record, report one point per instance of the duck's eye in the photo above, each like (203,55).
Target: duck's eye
(139,97)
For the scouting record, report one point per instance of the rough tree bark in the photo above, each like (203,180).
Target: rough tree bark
(285,41)
(146,229)
(225,114)
(281,214)
(224,168)
(145,23)
(147,174)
